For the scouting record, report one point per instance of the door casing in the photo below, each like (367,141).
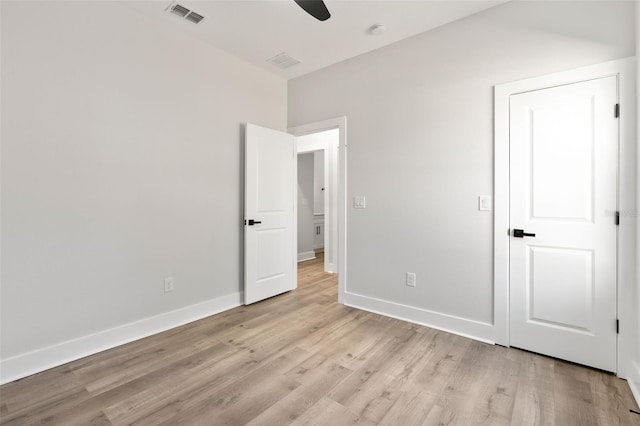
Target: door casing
(624,69)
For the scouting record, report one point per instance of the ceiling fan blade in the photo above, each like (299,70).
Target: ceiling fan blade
(315,8)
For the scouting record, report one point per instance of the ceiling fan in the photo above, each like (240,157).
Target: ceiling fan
(315,8)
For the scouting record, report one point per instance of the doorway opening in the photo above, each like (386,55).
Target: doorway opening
(326,143)
(316,197)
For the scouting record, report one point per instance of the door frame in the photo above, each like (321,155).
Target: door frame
(624,70)
(340,231)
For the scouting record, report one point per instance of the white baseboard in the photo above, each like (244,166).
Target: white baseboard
(39,360)
(634,382)
(307,255)
(463,327)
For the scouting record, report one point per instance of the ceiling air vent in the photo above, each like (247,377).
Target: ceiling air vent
(185,13)
(194,17)
(283,60)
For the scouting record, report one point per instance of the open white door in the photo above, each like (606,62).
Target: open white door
(269,236)
(563,252)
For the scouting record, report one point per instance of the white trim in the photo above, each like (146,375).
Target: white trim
(634,382)
(307,255)
(627,308)
(294,189)
(624,69)
(39,360)
(471,329)
(340,234)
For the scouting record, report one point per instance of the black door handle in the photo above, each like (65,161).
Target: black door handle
(253,222)
(519,233)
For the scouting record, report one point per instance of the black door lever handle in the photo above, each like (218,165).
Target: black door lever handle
(253,222)
(519,233)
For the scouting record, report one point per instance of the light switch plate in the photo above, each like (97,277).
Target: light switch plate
(359,202)
(411,279)
(484,203)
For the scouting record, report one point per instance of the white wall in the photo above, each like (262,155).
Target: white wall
(121,164)
(306,236)
(421,147)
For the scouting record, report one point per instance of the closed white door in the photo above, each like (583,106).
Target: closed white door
(269,237)
(563,250)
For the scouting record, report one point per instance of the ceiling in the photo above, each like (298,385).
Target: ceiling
(259,30)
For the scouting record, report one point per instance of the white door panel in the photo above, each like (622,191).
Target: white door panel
(269,188)
(564,145)
(547,300)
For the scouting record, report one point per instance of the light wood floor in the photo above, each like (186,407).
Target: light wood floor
(302,359)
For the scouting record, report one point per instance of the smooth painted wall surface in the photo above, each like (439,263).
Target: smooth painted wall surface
(122,164)
(420,141)
(306,236)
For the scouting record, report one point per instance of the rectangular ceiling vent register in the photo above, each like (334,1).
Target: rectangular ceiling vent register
(283,60)
(185,13)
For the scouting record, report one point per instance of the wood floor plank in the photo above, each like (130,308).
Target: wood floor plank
(219,370)
(410,409)
(39,395)
(129,350)
(465,384)
(149,387)
(442,416)
(302,359)
(39,389)
(44,409)
(123,369)
(236,403)
(573,402)
(444,353)
(316,376)
(534,403)
(495,401)
(612,400)
(256,331)
(327,412)
(374,388)
(372,398)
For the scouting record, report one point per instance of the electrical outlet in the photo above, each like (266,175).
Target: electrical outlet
(411,279)
(168,284)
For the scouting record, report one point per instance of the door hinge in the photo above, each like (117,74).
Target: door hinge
(618,218)
(616,110)
(617,326)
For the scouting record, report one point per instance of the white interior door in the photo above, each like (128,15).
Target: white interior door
(564,150)
(269,236)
